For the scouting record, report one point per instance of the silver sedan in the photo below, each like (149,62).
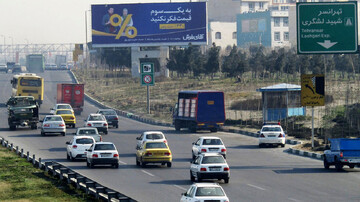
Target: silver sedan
(53,124)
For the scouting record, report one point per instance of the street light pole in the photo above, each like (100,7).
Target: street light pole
(86,40)
(12,48)
(4,47)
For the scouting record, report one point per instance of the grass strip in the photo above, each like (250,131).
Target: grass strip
(21,181)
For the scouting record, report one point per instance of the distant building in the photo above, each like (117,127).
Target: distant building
(223,34)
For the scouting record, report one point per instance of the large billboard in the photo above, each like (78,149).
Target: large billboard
(153,24)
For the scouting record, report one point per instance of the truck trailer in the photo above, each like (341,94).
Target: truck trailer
(73,94)
(199,110)
(35,63)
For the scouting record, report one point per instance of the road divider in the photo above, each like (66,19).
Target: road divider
(299,152)
(70,176)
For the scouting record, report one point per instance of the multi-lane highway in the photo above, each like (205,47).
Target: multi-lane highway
(266,174)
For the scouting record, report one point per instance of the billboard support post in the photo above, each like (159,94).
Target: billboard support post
(148,98)
(312,127)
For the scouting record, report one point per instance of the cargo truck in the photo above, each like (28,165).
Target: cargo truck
(60,61)
(35,63)
(22,111)
(342,152)
(72,94)
(199,110)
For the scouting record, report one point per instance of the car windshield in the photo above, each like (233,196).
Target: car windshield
(87,132)
(151,145)
(54,118)
(64,107)
(212,142)
(212,159)
(104,147)
(96,118)
(84,141)
(271,129)
(209,191)
(154,136)
(64,112)
(108,112)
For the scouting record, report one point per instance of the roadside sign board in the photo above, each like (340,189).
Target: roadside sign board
(147,74)
(312,90)
(327,27)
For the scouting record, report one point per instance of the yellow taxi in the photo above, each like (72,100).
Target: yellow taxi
(153,152)
(68,116)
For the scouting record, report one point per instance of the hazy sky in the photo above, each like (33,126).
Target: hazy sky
(50,21)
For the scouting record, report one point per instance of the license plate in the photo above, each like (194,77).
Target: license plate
(271,135)
(214,169)
(97,124)
(105,155)
(213,149)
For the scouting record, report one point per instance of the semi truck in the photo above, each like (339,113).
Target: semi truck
(199,110)
(342,152)
(22,111)
(73,94)
(60,61)
(35,63)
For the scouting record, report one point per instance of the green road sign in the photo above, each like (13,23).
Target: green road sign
(329,27)
(147,74)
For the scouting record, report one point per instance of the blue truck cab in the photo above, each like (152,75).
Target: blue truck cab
(199,110)
(343,151)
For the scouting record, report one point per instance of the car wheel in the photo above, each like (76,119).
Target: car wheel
(105,132)
(67,156)
(351,166)
(261,145)
(326,164)
(116,165)
(162,164)
(71,158)
(338,166)
(63,134)
(193,156)
(169,164)
(177,126)
(117,126)
(87,164)
(192,178)
(226,180)
(282,145)
(142,163)
(42,133)
(213,130)
(198,178)
(137,162)
(73,125)
(224,156)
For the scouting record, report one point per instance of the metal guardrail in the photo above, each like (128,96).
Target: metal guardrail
(70,176)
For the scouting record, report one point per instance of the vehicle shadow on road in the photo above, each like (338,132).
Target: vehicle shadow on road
(308,171)
(181,160)
(127,155)
(55,149)
(244,147)
(173,182)
(26,135)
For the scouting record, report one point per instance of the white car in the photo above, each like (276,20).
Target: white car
(209,166)
(53,124)
(150,136)
(272,133)
(97,121)
(77,146)
(61,106)
(102,153)
(93,132)
(208,145)
(201,192)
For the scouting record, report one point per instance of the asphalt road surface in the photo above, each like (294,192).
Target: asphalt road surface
(266,174)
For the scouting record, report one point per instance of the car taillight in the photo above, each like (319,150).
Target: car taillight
(74,146)
(89,124)
(165,141)
(72,118)
(61,125)
(100,138)
(262,135)
(105,124)
(202,169)
(116,118)
(341,154)
(223,150)
(116,155)
(148,154)
(46,125)
(226,169)
(203,150)
(95,156)
(167,153)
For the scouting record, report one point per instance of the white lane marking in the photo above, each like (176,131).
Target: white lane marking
(182,188)
(147,173)
(122,162)
(254,186)
(292,199)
